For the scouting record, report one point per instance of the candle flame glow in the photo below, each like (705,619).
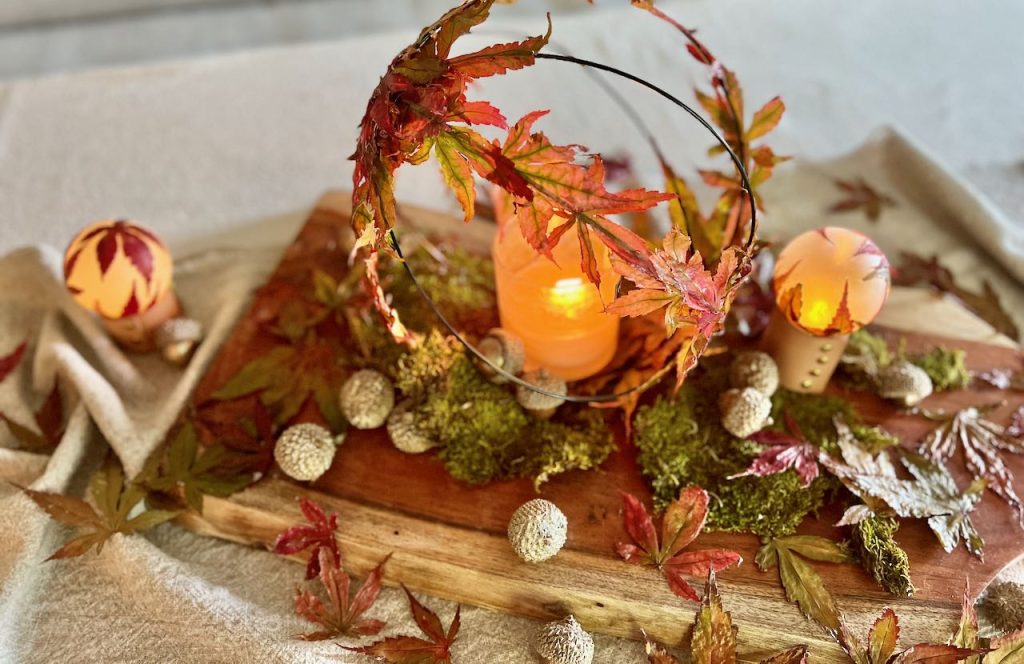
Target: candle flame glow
(569,296)
(817,315)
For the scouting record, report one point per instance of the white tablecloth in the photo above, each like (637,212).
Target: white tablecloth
(221,156)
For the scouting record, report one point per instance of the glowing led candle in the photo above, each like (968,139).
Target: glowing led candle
(828,283)
(554,308)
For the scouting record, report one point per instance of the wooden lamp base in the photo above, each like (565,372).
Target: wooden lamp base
(806,362)
(136,332)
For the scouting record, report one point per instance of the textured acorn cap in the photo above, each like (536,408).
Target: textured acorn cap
(564,642)
(366,399)
(905,383)
(504,349)
(744,411)
(1003,606)
(537,530)
(304,452)
(755,369)
(404,431)
(541,405)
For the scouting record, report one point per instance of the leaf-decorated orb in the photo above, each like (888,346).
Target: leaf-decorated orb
(117,269)
(831,281)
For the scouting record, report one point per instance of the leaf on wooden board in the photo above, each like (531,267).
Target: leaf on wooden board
(341,615)
(858,462)
(318,535)
(195,471)
(9,362)
(859,195)
(915,270)
(49,422)
(883,637)
(682,523)
(1002,378)
(967,633)
(435,649)
(714,636)
(784,451)
(113,501)
(1006,649)
(983,443)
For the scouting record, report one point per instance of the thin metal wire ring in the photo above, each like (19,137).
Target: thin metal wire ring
(616,396)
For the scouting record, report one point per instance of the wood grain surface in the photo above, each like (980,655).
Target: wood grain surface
(449,540)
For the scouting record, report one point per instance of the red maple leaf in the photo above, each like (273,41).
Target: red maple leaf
(683,521)
(435,649)
(9,362)
(318,535)
(784,450)
(49,421)
(342,614)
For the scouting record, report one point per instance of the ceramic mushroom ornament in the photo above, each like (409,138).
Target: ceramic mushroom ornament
(122,272)
(828,283)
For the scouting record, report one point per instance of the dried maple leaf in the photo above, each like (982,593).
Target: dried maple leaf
(318,536)
(858,462)
(683,520)
(49,420)
(286,376)
(982,442)
(342,615)
(1002,378)
(1006,649)
(859,195)
(435,649)
(916,270)
(182,467)
(9,362)
(113,501)
(784,451)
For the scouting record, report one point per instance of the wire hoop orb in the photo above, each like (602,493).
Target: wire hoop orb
(614,396)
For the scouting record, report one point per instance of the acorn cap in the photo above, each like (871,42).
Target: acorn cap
(744,411)
(904,382)
(404,430)
(366,399)
(564,642)
(304,452)
(536,403)
(503,349)
(537,530)
(755,369)
(1003,605)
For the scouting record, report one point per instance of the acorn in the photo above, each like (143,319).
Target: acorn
(755,369)
(367,398)
(177,339)
(904,382)
(564,642)
(744,411)
(503,349)
(405,432)
(537,404)
(304,452)
(537,530)
(1003,606)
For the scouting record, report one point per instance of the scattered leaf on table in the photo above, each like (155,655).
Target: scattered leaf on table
(49,419)
(435,649)
(784,451)
(320,534)
(1006,649)
(114,501)
(1002,378)
(342,615)
(983,443)
(883,637)
(10,361)
(859,195)
(683,520)
(916,270)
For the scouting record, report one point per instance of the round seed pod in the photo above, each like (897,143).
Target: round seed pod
(304,452)
(177,339)
(904,382)
(504,349)
(537,530)
(366,399)
(744,411)
(405,432)
(1003,606)
(564,642)
(755,369)
(537,404)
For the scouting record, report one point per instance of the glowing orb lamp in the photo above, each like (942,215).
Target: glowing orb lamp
(828,283)
(122,272)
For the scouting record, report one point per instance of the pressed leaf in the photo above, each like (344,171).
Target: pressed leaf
(435,649)
(859,195)
(796,655)
(926,653)
(784,451)
(10,361)
(341,615)
(195,474)
(320,534)
(714,637)
(49,420)
(883,637)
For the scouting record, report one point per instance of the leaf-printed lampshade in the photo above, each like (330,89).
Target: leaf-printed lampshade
(831,281)
(117,268)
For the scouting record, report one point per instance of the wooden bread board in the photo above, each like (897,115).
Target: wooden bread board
(449,539)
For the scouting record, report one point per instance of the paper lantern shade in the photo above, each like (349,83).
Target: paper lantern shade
(831,281)
(117,269)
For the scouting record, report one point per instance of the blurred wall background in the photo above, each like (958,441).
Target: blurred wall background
(45,36)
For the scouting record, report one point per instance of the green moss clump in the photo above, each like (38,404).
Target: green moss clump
(945,366)
(1003,606)
(814,414)
(882,556)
